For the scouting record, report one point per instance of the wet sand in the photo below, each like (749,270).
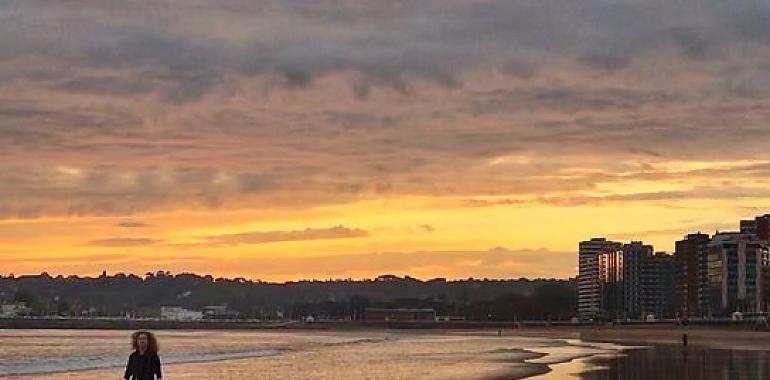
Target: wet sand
(660,354)
(696,337)
(480,355)
(543,354)
(706,337)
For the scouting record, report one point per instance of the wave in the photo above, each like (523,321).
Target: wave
(82,363)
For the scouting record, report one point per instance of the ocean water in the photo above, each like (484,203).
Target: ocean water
(95,354)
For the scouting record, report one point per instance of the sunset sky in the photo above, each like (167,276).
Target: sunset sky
(293,139)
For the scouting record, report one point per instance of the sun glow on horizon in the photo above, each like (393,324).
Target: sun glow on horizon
(133,140)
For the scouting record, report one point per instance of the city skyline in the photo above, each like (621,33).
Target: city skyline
(706,276)
(315,139)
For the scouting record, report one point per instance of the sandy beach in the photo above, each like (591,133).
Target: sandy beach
(296,355)
(543,353)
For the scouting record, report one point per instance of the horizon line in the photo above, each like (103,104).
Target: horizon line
(381,277)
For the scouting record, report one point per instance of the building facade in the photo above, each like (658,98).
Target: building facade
(737,273)
(690,268)
(762,227)
(378,314)
(611,282)
(656,286)
(219,312)
(178,313)
(759,227)
(636,268)
(748,226)
(590,295)
(13,310)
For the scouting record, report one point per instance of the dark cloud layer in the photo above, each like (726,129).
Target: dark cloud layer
(114,108)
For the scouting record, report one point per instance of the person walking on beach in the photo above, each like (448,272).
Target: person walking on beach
(144,363)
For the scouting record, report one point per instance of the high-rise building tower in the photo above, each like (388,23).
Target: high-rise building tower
(738,265)
(635,257)
(656,285)
(611,264)
(589,281)
(690,271)
(762,227)
(748,226)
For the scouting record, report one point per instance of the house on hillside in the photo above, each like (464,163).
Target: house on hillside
(13,310)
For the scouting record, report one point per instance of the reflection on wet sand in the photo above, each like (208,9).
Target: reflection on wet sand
(678,363)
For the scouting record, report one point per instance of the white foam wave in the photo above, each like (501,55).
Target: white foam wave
(80,363)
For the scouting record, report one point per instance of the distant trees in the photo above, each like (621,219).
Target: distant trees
(28,297)
(121,294)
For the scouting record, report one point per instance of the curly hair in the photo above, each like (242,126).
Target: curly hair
(152,343)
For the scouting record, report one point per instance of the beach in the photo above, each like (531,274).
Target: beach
(556,353)
(89,354)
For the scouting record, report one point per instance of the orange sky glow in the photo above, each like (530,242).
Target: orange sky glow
(317,140)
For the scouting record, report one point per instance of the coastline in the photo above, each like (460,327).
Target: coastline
(531,353)
(525,327)
(381,354)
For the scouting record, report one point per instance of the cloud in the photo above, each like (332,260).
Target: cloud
(570,99)
(189,104)
(428,228)
(702,193)
(132,224)
(69,260)
(263,237)
(604,60)
(472,202)
(133,110)
(124,242)
(675,231)
(436,41)
(106,191)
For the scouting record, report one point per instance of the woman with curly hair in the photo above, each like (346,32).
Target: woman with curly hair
(144,363)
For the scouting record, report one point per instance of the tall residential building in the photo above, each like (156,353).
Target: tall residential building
(611,282)
(589,285)
(690,269)
(762,228)
(635,257)
(738,266)
(749,226)
(656,285)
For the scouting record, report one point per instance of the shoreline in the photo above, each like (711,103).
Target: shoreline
(735,336)
(574,350)
(524,363)
(158,324)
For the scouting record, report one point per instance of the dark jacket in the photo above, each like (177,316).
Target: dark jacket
(143,367)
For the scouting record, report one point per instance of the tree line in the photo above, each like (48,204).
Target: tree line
(142,296)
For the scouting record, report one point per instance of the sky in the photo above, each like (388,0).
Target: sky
(293,139)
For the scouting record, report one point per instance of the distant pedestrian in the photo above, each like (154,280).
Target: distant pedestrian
(144,363)
(761,323)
